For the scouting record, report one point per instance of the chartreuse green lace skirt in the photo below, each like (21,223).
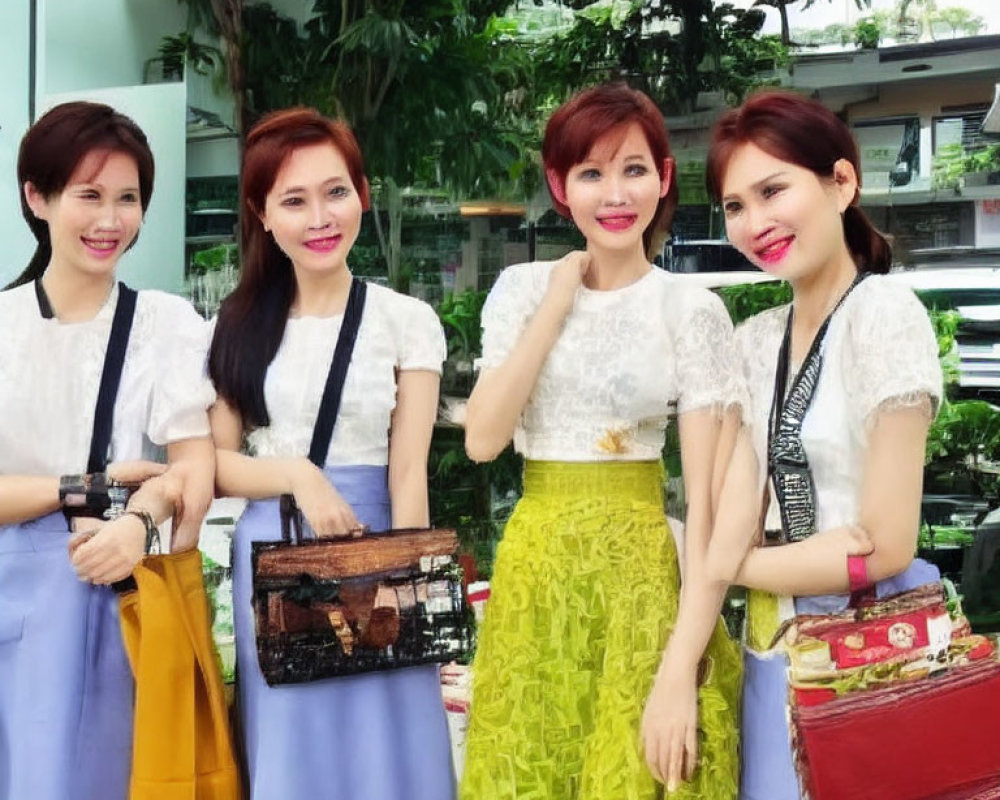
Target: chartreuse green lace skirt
(584,595)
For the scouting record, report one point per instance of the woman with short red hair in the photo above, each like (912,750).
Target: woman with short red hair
(380,734)
(583,361)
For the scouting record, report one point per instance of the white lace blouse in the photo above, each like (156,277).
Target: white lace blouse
(397,333)
(625,360)
(50,373)
(879,352)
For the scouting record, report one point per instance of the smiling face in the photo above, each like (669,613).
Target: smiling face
(785,218)
(95,218)
(612,194)
(313,210)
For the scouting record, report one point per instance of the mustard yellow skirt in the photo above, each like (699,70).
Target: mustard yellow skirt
(584,597)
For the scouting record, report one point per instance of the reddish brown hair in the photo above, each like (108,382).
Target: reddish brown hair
(586,117)
(55,146)
(804,132)
(252,319)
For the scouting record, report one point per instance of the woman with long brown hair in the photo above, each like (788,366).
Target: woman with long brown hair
(376,735)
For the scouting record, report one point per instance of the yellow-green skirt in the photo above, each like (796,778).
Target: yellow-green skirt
(583,598)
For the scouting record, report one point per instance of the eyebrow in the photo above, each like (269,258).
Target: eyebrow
(299,189)
(759,183)
(101,186)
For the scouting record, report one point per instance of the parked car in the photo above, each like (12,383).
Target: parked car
(711,263)
(974,291)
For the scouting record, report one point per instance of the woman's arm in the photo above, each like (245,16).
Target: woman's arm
(501,393)
(670,720)
(239,475)
(24,497)
(409,444)
(889,519)
(192,464)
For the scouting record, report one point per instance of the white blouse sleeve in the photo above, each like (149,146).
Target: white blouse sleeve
(182,391)
(506,312)
(421,342)
(891,360)
(708,369)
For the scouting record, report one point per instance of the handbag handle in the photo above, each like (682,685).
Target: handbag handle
(329,407)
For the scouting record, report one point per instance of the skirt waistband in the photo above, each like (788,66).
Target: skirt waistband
(624,480)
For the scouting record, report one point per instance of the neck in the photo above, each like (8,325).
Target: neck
(816,294)
(75,296)
(613,269)
(321,294)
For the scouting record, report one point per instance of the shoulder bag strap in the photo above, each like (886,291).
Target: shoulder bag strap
(114,360)
(329,406)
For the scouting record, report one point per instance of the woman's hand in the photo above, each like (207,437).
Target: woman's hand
(670,725)
(850,540)
(135,471)
(105,552)
(566,277)
(327,513)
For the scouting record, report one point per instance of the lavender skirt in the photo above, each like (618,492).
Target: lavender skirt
(377,736)
(66,690)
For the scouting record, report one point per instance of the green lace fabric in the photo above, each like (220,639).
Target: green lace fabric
(584,596)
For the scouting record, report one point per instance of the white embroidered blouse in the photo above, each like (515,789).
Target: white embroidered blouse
(50,373)
(879,352)
(625,360)
(397,333)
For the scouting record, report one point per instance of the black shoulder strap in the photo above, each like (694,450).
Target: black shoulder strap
(329,406)
(111,377)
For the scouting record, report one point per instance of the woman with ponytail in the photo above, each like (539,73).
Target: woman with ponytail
(843,383)
(85,174)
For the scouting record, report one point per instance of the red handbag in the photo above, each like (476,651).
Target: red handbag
(894,699)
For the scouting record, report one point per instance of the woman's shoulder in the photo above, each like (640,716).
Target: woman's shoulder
(764,323)
(529,276)
(18,297)
(881,293)
(397,306)
(168,309)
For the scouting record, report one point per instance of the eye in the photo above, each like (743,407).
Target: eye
(636,170)
(89,194)
(130,197)
(732,208)
(589,174)
(291,202)
(771,190)
(339,191)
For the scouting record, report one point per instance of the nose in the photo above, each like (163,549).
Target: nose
(319,217)
(110,216)
(758,221)
(616,192)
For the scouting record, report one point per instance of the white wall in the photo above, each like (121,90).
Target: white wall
(101,43)
(157,260)
(18,243)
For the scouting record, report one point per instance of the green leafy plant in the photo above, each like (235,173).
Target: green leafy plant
(746,299)
(867,34)
(181,49)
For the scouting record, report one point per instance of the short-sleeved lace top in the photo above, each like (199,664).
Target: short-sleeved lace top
(50,373)
(879,353)
(397,333)
(625,360)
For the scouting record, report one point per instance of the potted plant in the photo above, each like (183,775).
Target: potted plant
(982,166)
(180,50)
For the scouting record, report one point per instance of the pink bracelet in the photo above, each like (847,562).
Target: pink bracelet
(857,573)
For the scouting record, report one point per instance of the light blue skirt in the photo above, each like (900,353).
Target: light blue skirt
(376,736)
(66,690)
(768,771)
